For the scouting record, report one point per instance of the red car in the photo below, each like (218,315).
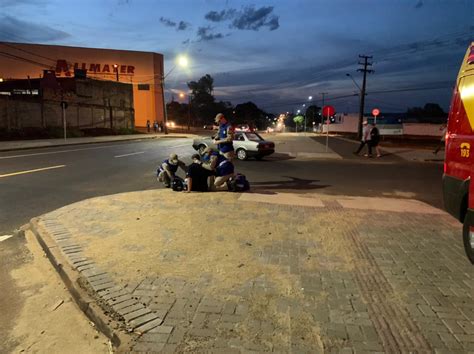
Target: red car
(458,191)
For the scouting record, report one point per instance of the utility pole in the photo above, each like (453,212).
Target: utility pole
(362,91)
(322,105)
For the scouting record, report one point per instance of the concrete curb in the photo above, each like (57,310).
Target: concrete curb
(71,280)
(183,136)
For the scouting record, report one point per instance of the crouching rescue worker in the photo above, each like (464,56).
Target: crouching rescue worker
(225,137)
(197,176)
(167,171)
(222,167)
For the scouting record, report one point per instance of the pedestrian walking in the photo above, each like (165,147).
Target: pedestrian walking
(364,140)
(148,126)
(375,139)
(155,126)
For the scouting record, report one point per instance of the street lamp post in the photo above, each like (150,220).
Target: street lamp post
(182,61)
(306,113)
(116,72)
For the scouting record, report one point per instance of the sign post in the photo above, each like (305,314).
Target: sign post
(64,106)
(328,111)
(375,113)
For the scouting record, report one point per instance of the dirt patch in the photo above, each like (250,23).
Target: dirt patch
(49,320)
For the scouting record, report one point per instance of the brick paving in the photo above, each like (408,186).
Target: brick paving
(338,280)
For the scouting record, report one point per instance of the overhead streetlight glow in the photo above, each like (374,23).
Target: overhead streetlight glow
(181,95)
(183,61)
(298,111)
(310,98)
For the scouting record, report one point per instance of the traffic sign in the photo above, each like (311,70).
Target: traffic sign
(375,112)
(328,111)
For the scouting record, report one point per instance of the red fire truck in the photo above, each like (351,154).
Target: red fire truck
(459,162)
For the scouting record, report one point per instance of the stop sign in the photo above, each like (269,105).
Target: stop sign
(328,111)
(375,112)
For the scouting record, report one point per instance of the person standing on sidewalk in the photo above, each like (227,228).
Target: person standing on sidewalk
(225,137)
(155,126)
(365,140)
(148,126)
(375,139)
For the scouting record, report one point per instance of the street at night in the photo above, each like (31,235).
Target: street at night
(232,176)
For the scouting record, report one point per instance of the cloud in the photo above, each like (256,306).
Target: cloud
(14,3)
(419,4)
(186,41)
(12,29)
(182,26)
(223,15)
(249,18)
(167,22)
(254,19)
(204,34)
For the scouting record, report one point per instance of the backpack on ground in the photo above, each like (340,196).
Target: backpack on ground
(178,184)
(238,183)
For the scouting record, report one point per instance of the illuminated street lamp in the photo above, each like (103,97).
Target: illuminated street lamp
(116,72)
(183,62)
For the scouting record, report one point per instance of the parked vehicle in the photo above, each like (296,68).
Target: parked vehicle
(246,144)
(458,191)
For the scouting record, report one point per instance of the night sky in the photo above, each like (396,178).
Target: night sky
(274,53)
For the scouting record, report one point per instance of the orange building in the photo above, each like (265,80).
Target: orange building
(141,69)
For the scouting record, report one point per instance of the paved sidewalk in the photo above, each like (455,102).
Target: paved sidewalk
(41,143)
(279,273)
(405,153)
(301,146)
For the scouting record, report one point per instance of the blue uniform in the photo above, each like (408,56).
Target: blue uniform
(223,166)
(173,168)
(223,134)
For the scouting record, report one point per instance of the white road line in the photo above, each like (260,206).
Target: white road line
(57,152)
(31,171)
(133,153)
(5,237)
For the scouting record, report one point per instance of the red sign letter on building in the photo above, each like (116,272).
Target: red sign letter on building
(95,68)
(130,69)
(62,66)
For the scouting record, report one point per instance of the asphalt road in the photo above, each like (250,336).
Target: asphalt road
(56,177)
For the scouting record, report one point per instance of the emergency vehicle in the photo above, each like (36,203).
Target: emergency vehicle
(458,191)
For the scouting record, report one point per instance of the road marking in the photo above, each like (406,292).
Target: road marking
(31,171)
(133,153)
(58,152)
(5,237)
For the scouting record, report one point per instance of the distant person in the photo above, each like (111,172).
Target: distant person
(225,137)
(442,140)
(169,167)
(375,139)
(365,140)
(197,176)
(155,126)
(148,126)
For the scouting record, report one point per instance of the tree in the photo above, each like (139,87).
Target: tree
(430,110)
(313,114)
(298,120)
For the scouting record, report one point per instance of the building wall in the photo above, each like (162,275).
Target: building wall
(349,123)
(96,104)
(134,68)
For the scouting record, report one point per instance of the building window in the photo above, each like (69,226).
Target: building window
(144,87)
